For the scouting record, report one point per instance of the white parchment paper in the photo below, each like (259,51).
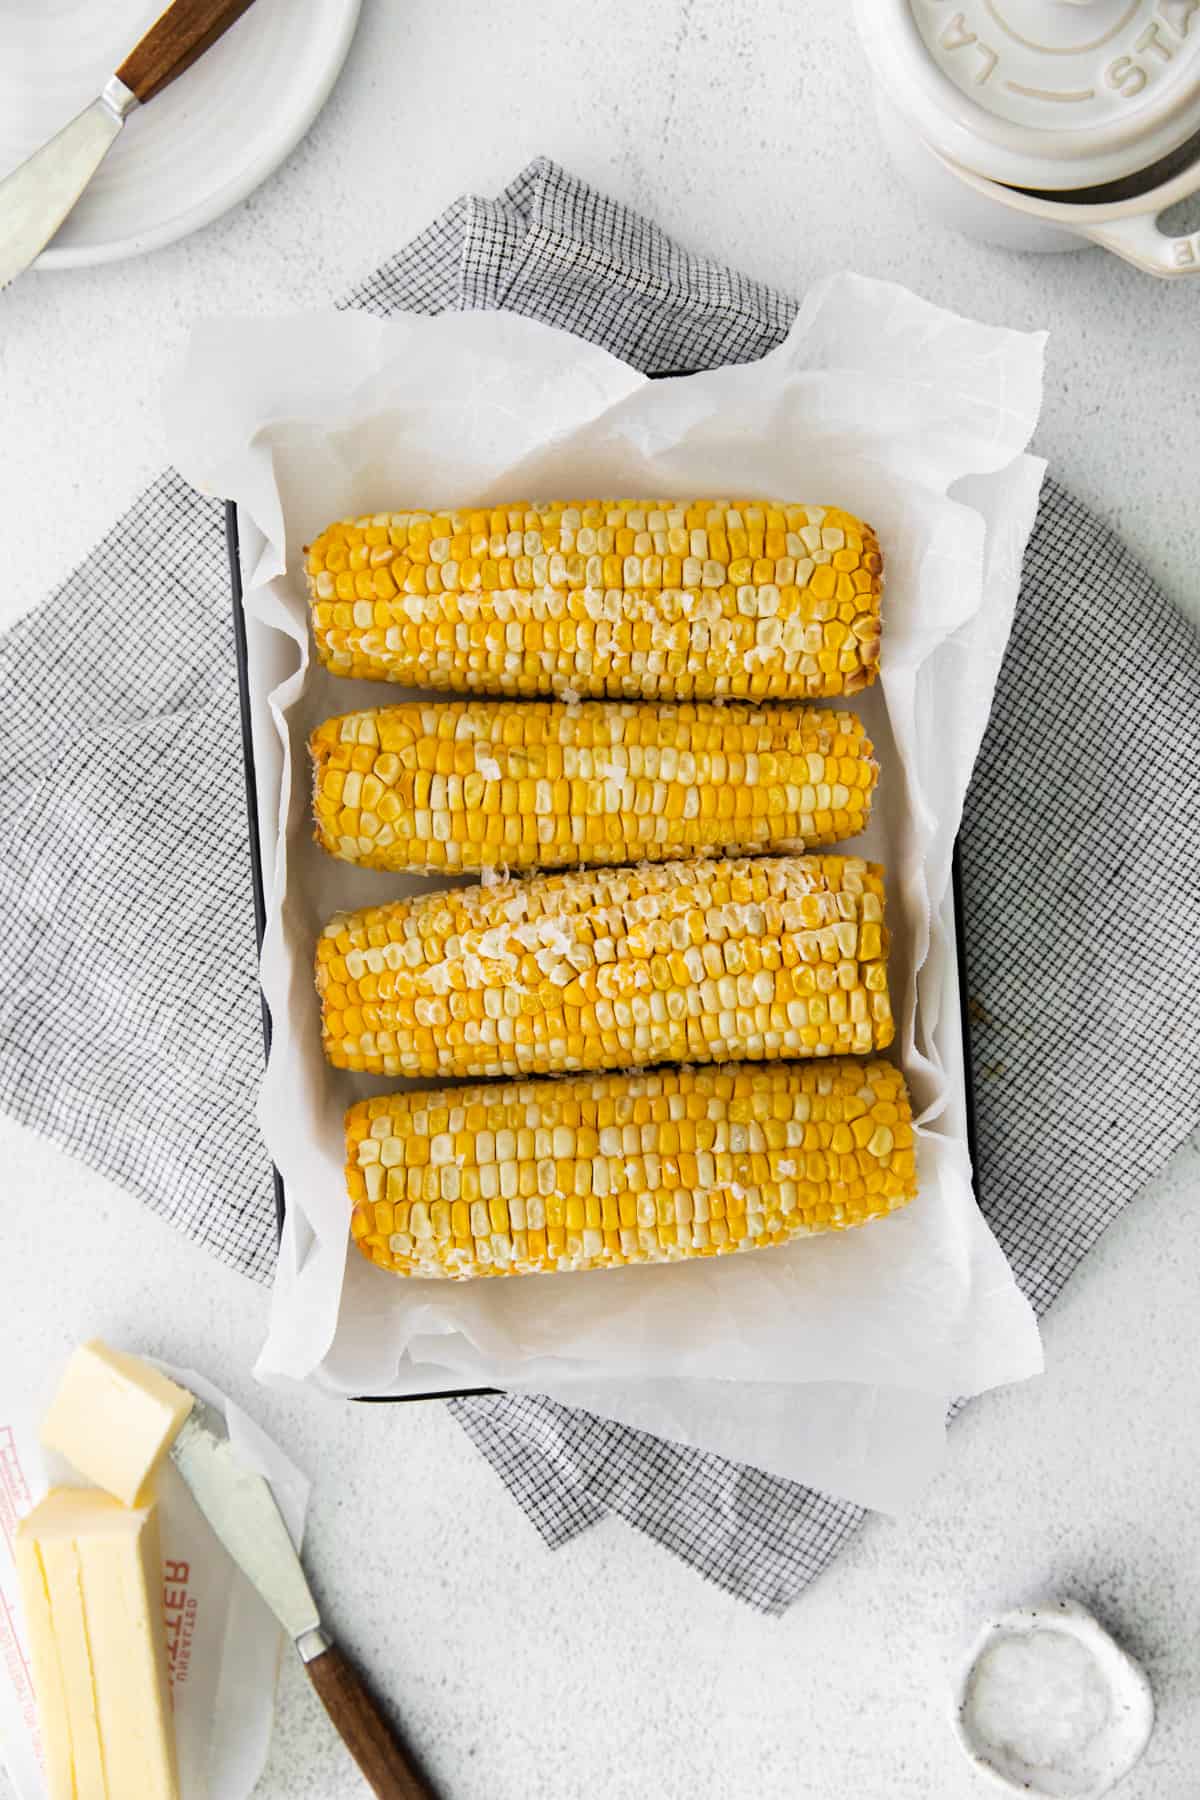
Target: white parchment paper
(805,1359)
(223,1642)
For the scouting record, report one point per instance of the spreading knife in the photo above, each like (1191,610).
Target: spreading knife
(240,1507)
(40,192)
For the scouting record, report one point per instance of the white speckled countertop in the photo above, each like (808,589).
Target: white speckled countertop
(608,1671)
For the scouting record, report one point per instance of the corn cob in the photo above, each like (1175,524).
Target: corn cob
(527,784)
(619,599)
(601,1171)
(684,961)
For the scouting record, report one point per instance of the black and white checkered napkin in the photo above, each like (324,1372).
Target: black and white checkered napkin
(128,1004)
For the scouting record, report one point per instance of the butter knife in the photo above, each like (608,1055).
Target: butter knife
(240,1507)
(40,192)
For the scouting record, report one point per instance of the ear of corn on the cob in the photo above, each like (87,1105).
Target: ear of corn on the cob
(472,785)
(600,1172)
(683,961)
(625,599)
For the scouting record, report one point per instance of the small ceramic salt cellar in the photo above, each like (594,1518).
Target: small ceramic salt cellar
(1050,1705)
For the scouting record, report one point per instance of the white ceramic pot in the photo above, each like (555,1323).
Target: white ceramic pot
(1045,124)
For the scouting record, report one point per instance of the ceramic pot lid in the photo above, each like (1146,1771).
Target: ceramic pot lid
(1042,93)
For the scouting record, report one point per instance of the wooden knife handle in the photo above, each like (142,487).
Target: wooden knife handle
(371,1740)
(174,41)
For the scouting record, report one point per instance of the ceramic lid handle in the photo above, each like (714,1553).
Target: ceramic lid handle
(1138,240)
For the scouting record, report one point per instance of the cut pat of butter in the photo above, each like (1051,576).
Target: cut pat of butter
(91,1583)
(113,1418)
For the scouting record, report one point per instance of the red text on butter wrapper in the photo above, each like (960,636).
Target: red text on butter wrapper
(179,1618)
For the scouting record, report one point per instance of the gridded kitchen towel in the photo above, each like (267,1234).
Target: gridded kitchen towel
(128,1005)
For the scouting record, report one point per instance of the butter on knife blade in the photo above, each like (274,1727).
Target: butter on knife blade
(240,1507)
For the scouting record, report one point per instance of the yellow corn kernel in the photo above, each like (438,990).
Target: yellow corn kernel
(719,607)
(729,1198)
(601,782)
(713,961)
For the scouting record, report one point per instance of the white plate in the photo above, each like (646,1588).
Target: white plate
(196,149)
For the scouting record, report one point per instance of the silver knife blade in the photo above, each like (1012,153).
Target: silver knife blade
(40,192)
(241,1509)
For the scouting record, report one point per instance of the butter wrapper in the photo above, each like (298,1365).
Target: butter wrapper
(223,1642)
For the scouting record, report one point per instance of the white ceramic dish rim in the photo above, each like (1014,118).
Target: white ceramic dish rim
(239,185)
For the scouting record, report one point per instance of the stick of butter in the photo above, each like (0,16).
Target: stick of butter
(91,1582)
(113,1418)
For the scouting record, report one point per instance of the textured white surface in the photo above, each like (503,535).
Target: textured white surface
(608,1669)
